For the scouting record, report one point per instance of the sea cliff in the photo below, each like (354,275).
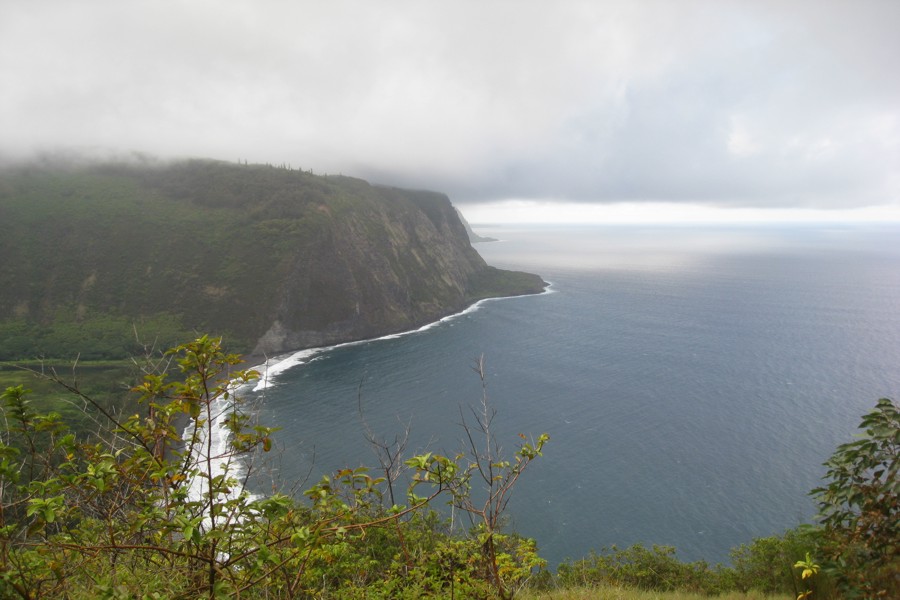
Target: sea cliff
(106,259)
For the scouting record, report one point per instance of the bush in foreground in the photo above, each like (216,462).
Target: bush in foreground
(860,508)
(146,510)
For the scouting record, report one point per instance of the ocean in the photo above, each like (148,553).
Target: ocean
(692,380)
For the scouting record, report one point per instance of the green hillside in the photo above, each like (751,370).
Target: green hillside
(97,259)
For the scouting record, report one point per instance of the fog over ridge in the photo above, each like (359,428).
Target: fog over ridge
(728,104)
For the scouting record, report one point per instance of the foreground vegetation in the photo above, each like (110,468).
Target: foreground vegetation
(138,509)
(611,592)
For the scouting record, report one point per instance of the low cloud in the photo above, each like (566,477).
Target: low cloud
(753,104)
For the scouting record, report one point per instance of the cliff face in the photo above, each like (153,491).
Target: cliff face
(272,258)
(399,262)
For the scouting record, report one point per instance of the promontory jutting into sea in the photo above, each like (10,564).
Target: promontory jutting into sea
(692,380)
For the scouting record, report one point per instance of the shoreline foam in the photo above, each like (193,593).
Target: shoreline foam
(269,371)
(268,375)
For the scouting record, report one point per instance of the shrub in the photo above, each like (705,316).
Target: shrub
(767,563)
(860,507)
(152,505)
(654,568)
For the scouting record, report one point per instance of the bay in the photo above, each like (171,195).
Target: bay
(692,379)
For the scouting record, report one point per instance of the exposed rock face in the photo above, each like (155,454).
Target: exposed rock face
(392,267)
(275,259)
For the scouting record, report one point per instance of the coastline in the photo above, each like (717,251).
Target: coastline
(271,367)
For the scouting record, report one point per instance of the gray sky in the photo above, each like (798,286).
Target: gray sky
(748,104)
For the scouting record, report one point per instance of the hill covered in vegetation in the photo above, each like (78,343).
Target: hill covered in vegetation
(102,259)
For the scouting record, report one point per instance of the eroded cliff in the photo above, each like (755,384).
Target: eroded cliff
(274,259)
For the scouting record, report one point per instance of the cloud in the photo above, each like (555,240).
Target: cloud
(721,103)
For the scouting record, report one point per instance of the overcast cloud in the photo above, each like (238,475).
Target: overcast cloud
(752,104)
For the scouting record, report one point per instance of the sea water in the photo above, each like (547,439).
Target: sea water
(692,380)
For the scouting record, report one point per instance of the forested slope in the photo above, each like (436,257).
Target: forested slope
(94,258)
